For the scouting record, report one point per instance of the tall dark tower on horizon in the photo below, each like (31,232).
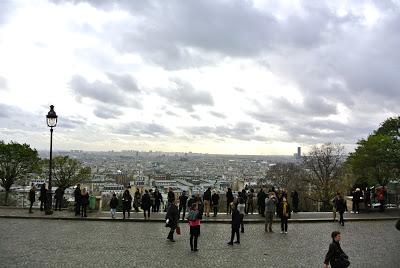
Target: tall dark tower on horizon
(298,152)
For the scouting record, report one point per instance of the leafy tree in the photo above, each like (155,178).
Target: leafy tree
(68,171)
(377,158)
(325,168)
(16,160)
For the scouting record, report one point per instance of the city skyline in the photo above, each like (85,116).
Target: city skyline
(218,77)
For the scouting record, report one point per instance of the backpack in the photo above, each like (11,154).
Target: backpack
(192,215)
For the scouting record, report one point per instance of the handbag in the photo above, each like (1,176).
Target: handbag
(178,230)
(343,260)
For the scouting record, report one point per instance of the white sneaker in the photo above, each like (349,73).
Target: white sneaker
(281,232)
(285,232)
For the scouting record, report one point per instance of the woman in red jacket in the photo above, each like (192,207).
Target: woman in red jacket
(194,217)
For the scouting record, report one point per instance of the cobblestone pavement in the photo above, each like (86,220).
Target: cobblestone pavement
(50,243)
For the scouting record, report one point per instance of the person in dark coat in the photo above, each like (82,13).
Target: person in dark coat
(126,203)
(78,199)
(215,203)
(42,197)
(235,224)
(146,203)
(173,220)
(32,197)
(250,201)
(136,201)
(341,207)
(157,200)
(207,201)
(84,201)
(295,201)
(284,213)
(261,202)
(113,205)
(182,204)
(59,195)
(336,256)
(171,197)
(229,200)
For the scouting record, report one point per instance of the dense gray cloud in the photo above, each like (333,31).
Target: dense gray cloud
(103,92)
(183,95)
(124,82)
(106,112)
(142,128)
(240,131)
(219,115)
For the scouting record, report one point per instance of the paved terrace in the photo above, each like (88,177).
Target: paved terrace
(50,243)
(9,212)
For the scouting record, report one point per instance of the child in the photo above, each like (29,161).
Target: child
(194,223)
(113,205)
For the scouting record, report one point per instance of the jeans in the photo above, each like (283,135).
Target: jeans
(207,207)
(215,208)
(148,212)
(113,211)
(341,220)
(84,207)
(284,223)
(77,208)
(193,246)
(58,204)
(235,231)
(184,211)
(30,207)
(269,216)
(241,223)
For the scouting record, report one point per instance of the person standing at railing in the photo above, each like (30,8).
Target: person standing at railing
(32,197)
(42,197)
(59,195)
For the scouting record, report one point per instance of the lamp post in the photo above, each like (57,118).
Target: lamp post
(51,119)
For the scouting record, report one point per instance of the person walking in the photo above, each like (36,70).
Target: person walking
(42,197)
(341,207)
(241,208)
(284,214)
(207,201)
(126,203)
(152,201)
(250,201)
(336,256)
(59,195)
(113,205)
(84,201)
(32,197)
(138,198)
(367,199)
(194,225)
(146,203)
(78,199)
(235,224)
(269,211)
(295,201)
(172,219)
(182,204)
(215,203)
(229,200)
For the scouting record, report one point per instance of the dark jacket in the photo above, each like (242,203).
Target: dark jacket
(59,193)
(127,200)
(146,201)
(333,255)
(114,202)
(85,199)
(261,198)
(280,210)
(32,195)
(173,216)
(341,205)
(43,191)
(215,199)
(207,195)
(171,196)
(235,218)
(183,200)
(229,197)
(77,194)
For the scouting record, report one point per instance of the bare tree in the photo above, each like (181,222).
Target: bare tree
(325,166)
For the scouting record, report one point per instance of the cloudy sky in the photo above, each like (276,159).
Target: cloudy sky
(231,76)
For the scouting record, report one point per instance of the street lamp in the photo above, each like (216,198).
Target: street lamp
(51,119)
